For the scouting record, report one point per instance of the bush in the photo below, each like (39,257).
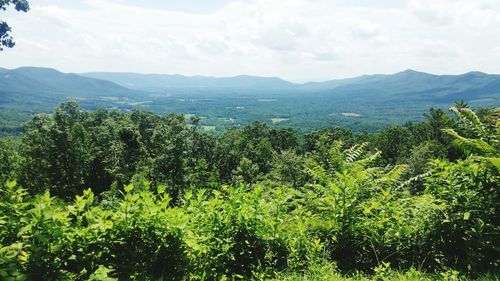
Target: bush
(241,232)
(467,232)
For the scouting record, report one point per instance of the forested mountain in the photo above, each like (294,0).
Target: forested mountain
(17,84)
(369,102)
(470,86)
(162,81)
(45,81)
(29,90)
(20,83)
(419,85)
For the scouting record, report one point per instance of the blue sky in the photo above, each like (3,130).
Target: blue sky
(299,40)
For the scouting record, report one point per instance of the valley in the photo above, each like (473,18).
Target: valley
(366,103)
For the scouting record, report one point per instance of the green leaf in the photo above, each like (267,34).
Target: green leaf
(56,248)
(161,188)
(11,184)
(128,187)
(494,160)
(466,216)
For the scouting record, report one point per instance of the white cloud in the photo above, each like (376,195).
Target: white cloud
(362,28)
(295,39)
(471,13)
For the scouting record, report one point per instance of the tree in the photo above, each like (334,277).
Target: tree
(288,168)
(170,146)
(55,152)
(9,160)
(394,142)
(6,39)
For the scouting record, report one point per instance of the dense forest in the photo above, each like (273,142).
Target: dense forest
(110,195)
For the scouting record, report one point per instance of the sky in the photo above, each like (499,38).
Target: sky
(298,40)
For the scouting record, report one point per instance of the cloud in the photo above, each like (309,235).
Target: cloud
(282,35)
(477,13)
(362,28)
(294,39)
(438,49)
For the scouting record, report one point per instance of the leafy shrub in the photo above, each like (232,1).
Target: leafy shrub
(467,234)
(241,232)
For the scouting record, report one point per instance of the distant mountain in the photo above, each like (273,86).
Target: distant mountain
(409,80)
(414,84)
(366,102)
(163,81)
(25,82)
(33,82)
(470,86)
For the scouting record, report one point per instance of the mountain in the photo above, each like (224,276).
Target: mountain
(470,86)
(163,81)
(411,84)
(367,102)
(27,83)
(409,80)
(46,83)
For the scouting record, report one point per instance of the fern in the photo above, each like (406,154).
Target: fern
(392,177)
(369,159)
(469,146)
(467,115)
(355,152)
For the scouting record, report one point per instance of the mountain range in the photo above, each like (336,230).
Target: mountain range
(405,94)
(405,81)
(163,81)
(46,81)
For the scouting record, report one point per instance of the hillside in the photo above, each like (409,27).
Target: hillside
(414,84)
(470,85)
(368,102)
(163,81)
(50,82)
(473,86)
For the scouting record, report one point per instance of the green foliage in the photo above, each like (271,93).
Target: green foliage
(56,152)
(241,233)
(468,229)
(325,272)
(288,168)
(366,210)
(9,161)
(102,274)
(169,202)
(484,140)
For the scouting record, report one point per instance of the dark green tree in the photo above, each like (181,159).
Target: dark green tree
(335,134)
(56,152)
(9,161)
(288,168)
(169,153)
(394,142)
